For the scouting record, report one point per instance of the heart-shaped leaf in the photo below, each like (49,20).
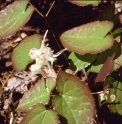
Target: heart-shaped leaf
(74,101)
(13,17)
(39,93)
(82,61)
(38,114)
(88,38)
(20,57)
(85,2)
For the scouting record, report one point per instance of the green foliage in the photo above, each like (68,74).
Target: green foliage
(67,94)
(20,57)
(118,62)
(88,38)
(82,61)
(16,15)
(39,93)
(74,97)
(38,114)
(117,32)
(103,56)
(115,89)
(74,100)
(96,61)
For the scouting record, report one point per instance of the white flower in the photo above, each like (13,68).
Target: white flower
(43,57)
(112,97)
(35,68)
(102,97)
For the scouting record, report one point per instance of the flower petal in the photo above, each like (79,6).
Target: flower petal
(34,53)
(59,53)
(35,69)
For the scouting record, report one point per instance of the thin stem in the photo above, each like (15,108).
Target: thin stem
(11,118)
(50,8)
(85,75)
(44,36)
(36,10)
(98,92)
(56,39)
(44,17)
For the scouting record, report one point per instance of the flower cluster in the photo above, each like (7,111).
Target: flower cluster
(106,95)
(44,59)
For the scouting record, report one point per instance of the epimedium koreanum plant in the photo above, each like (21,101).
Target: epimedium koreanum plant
(41,92)
(44,59)
(35,99)
(73,98)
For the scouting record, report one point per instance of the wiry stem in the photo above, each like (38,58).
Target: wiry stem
(44,17)
(37,10)
(98,92)
(50,8)
(56,39)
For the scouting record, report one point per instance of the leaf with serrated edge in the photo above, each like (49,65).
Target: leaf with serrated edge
(20,57)
(38,114)
(13,17)
(88,38)
(39,93)
(74,101)
(84,3)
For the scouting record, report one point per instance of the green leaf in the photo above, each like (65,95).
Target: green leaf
(20,57)
(95,68)
(117,32)
(118,62)
(13,17)
(74,101)
(39,93)
(102,57)
(88,38)
(116,89)
(38,114)
(82,61)
(84,3)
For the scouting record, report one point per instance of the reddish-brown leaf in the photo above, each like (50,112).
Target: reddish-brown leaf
(106,69)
